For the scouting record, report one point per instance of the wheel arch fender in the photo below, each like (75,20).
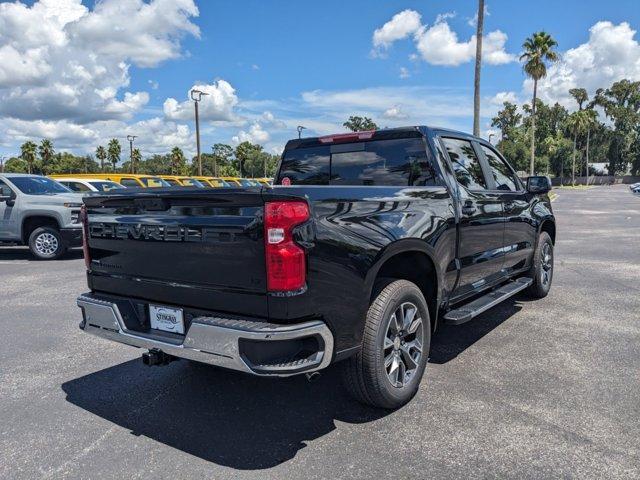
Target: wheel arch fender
(410,247)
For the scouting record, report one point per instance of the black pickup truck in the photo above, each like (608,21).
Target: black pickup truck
(365,243)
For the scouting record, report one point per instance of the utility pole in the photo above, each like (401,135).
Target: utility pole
(131,138)
(476,81)
(2,159)
(196,96)
(300,128)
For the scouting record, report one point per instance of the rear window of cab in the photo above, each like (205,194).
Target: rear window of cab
(395,162)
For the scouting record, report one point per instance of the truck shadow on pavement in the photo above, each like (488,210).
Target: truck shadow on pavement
(22,253)
(237,420)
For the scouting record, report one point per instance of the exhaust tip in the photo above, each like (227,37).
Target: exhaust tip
(312,377)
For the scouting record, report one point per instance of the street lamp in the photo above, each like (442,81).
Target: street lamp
(300,128)
(491,135)
(196,96)
(130,139)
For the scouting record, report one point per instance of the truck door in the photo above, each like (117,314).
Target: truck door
(481,226)
(8,223)
(519,232)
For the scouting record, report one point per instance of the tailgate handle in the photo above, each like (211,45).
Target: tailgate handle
(151,203)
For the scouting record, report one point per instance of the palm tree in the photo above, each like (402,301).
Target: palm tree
(538,49)
(577,123)
(580,95)
(113,152)
(476,81)
(28,154)
(46,152)
(136,158)
(177,161)
(101,154)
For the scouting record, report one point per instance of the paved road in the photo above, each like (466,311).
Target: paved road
(542,389)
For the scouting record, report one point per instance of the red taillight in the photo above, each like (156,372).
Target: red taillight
(286,262)
(84,218)
(347,137)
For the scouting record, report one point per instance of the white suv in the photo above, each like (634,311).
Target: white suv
(82,185)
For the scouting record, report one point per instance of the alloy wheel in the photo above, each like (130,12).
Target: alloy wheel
(403,344)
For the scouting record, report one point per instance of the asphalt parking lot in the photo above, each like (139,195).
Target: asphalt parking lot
(543,389)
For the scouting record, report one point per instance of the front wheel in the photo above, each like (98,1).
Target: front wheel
(542,268)
(387,371)
(46,243)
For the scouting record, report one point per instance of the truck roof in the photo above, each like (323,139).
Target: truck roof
(384,133)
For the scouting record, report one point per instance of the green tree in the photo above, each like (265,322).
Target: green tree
(113,152)
(46,152)
(577,123)
(28,154)
(581,96)
(178,162)
(101,154)
(136,157)
(359,124)
(247,155)
(222,155)
(16,165)
(538,50)
(621,103)
(507,120)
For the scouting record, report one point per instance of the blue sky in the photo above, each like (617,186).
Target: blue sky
(91,71)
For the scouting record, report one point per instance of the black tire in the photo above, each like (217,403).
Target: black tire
(46,243)
(365,375)
(542,268)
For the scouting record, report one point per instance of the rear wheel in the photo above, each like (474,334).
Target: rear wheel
(387,371)
(46,243)
(542,268)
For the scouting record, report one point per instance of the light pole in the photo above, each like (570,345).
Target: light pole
(196,96)
(491,135)
(300,128)
(215,161)
(2,159)
(130,139)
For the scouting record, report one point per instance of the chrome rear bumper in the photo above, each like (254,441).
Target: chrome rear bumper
(214,340)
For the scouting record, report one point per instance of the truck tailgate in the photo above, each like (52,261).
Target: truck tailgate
(181,247)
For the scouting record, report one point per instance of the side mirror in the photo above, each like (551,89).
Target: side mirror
(538,184)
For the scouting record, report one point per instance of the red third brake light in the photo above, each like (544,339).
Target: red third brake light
(84,218)
(286,261)
(347,137)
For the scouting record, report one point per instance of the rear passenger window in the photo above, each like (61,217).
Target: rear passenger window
(465,164)
(502,174)
(394,162)
(306,166)
(397,162)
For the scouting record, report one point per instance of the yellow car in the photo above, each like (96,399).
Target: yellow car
(240,182)
(182,181)
(214,182)
(124,179)
(264,181)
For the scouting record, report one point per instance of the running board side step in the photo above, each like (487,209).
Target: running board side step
(473,309)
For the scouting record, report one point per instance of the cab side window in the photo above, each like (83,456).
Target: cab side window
(129,182)
(466,164)
(502,174)
(5,190)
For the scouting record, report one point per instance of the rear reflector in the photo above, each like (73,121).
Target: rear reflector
(347,137)
(286,260)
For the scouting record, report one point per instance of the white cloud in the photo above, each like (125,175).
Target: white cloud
(394,112)
(400,26)
(256,134)
(499,98)
(153,84)
(438,44)
(404,72)
(216,106)
(611,54)
(61,61)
